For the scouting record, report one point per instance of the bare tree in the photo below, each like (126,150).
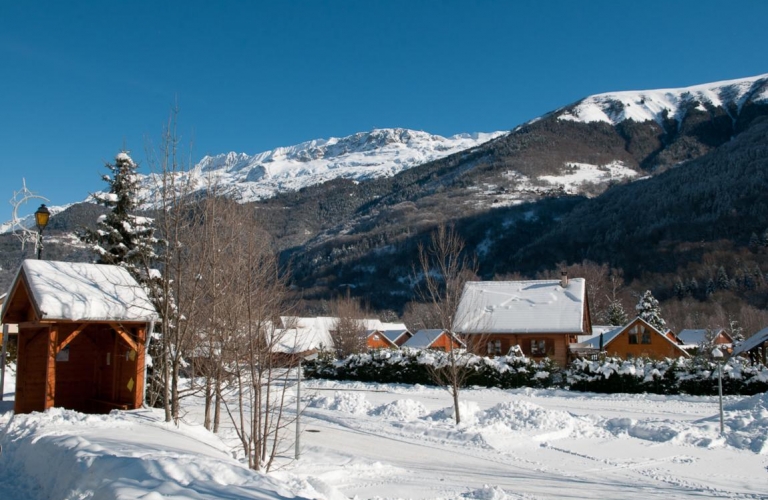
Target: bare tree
(259,296)
(348,330)
(176,291)
(443,269)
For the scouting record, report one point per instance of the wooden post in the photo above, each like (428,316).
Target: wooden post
(138,395)
(2,361)
(50,372)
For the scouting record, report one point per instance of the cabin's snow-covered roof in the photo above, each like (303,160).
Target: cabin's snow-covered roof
(303,334)
(694,337)
(593,341)
(423,338)
(541,306)
(752,342)
(77,291)
(393,335)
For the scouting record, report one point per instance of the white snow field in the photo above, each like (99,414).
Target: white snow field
(398,441)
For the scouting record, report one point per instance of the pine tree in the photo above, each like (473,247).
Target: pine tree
(710,290)
(616,314)
(693,287)
(680,289)
(648,309)
(723,283)
(122,238)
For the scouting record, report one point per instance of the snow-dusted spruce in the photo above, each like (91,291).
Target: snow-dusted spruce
(648,309)
(121,237)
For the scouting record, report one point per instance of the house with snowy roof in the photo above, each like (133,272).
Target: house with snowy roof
(389,336)
(303,336)
(542,317)
(692,339)
(434,339)
(82,336)
(638,338)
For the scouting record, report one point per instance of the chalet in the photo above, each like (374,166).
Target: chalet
(433,339)
(82,336)
(398,336)
(691,340)
(388,336)
(543,317)
(755,347)
(637,339)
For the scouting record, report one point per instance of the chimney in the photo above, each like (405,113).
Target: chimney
(564,279)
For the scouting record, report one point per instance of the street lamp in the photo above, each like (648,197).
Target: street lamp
(41,219)
(717,355)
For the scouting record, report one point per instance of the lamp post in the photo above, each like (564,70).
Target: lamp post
(41,219)
(717,355)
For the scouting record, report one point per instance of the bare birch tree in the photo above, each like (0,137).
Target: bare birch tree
(257,297)
(444,267)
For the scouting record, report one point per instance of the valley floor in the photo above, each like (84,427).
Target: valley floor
(398,441)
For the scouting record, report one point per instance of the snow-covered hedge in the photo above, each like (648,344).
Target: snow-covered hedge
(609,375)
(411,366)
(670,376)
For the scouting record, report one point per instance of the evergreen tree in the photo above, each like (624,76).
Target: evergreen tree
(648,309)
(710,287)
(693,287)
(122,238)
(737,332)
(754,242)
(723,283)
(680,289)
(616,314)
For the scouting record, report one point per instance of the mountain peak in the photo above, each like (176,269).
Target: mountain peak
(655,105)
(364,155)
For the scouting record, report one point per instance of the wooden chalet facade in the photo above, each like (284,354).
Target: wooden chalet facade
(691,339)
(82,336)
(541,317)
(387,339)
(639,339)
(437,339)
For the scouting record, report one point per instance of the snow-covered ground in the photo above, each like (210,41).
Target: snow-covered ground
(397,441)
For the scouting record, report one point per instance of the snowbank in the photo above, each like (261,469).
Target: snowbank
(66,454)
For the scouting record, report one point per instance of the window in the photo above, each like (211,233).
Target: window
(538,347)
(494,347)
(646,337)
(633,335)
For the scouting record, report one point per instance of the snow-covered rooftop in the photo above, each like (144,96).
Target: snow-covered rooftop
(694,336)
(393,335)
(541,306)
(423,339)
(752,342)
(75,291)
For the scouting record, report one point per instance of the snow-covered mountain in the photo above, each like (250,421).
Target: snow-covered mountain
(654,105)
(365,155)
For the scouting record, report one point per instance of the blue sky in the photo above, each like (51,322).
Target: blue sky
(79,80)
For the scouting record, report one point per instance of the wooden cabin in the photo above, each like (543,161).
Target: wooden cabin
(438,339)
(638,339)
(542,317)
(82,336)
